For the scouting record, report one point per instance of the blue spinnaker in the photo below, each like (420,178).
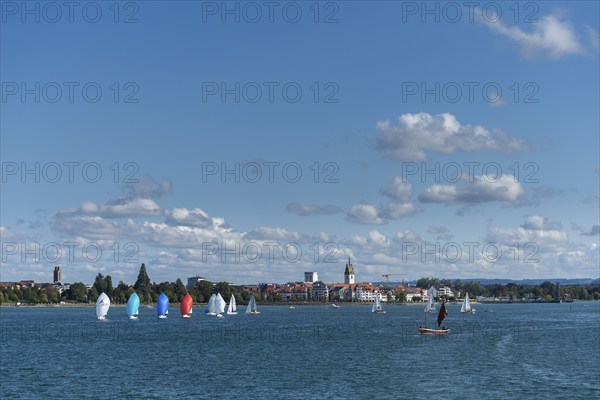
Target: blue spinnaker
(133,305)
(163,305)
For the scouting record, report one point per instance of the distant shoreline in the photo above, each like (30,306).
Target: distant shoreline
(341,304)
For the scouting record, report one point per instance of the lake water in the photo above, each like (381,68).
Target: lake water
(545,351)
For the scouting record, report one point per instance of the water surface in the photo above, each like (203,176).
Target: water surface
(503,351)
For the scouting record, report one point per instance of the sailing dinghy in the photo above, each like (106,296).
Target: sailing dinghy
(186,306)
(442,330)
(133,306)
(377,309)
(232,310)
(162,307)
(102,306)
(251,309)
(466,306)
(212,305)
(220,305)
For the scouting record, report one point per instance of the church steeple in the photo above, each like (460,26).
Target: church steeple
(349,273)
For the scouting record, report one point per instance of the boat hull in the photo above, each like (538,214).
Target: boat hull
(427,331)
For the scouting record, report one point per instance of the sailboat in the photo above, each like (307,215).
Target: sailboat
(466,306)
(430,301)
(442,330)
(162,306)
(133,306)
(186,306)
(211,309)
(251,309)
(377,309)
(102,306)
(220,305)
(232,310)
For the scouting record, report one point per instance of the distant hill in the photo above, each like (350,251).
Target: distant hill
(487,281)
(562,281)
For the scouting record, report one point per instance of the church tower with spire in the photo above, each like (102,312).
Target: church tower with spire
(349,273)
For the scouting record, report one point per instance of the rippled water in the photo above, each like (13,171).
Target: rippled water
(503,351)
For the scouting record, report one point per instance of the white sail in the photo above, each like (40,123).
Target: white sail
(220,303)
(251,309)
(430,301)
(102,306)
(466,306)
(212,305)
(232,308)
(377,306)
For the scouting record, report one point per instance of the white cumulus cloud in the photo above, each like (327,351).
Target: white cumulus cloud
(480,189)
(416,134)
(364,214)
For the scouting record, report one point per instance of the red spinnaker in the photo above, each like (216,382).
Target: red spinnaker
(186,304)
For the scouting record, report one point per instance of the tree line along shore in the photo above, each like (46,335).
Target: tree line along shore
(80,294)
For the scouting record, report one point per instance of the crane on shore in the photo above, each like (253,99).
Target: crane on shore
(387,278)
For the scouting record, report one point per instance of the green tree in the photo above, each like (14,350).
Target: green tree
(30,295)
(93,294)
(120,296)
(99,284)
(225,289)
(179,290)
(52,294)
(245,297)
(427,282)
(197,296)
(401,297)
(458,285)
(77,292)
(238,298)
(446,282)
(108,287)
(11,296)
(205,289)
(142,284)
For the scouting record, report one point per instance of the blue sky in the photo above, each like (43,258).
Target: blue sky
(387,109)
